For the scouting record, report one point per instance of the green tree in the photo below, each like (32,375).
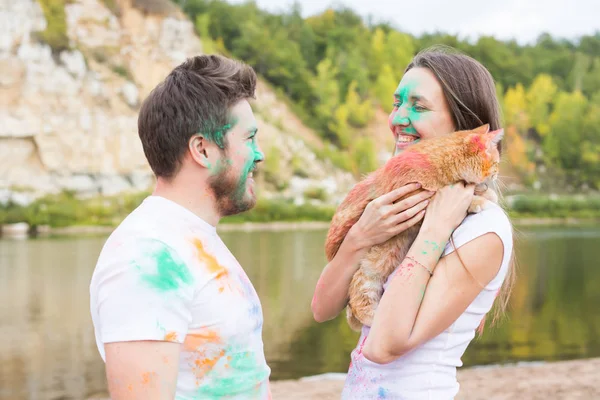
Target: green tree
(590,145)
(377,56)
(384,88)
(515,108)
(400,49)
(563,144)
(326,90)
(539,97)
(364,155)
(359,112)
(340,127)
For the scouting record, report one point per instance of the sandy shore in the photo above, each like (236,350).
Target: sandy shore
(563,380)
(568,380)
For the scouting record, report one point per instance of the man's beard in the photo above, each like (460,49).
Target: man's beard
(230,193)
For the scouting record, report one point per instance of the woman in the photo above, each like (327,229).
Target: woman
(426,318)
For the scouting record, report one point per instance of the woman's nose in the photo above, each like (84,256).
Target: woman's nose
(400,117)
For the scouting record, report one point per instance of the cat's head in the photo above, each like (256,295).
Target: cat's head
(481,149)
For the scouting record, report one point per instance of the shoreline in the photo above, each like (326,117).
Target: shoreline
(554,380)
(45,231)
(574,379)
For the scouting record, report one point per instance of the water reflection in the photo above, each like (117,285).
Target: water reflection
(47,348)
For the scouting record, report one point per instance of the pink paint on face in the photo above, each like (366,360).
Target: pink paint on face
(390,124)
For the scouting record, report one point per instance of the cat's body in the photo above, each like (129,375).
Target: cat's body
(469,156)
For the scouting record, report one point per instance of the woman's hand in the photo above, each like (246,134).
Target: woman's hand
(448,208)
(384,218)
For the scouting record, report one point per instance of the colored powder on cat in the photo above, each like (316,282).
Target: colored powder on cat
(416,160)
(477,143)
(171,272)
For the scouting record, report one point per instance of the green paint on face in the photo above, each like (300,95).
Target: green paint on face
(219,135)
(216,134)
(414,111)
(221,165)
(243,375)
(255,156)
(162,269)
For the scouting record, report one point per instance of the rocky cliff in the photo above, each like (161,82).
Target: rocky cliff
(68,120)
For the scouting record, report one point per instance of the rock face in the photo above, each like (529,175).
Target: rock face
(69,120)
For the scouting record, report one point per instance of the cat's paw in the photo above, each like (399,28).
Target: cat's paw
(353,322)
(478,204)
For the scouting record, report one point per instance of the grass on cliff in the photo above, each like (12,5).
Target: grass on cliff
(66,209)
(55,34)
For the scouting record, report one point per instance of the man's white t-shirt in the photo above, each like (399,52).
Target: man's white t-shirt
(164,274)
(429,371)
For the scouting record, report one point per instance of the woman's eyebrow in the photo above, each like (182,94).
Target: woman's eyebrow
(416,97)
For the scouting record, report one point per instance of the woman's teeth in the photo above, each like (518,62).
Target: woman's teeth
(406,138)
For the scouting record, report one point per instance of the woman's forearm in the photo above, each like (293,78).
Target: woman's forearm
(331,293)
(390,336)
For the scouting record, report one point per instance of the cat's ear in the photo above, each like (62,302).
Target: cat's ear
(483,129)
(495,137)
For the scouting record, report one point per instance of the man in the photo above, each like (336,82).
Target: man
(175,315)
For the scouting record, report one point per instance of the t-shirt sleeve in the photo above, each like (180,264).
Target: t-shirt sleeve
(492,220)
(144,291)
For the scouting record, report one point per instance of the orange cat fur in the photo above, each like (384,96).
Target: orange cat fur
(468,156)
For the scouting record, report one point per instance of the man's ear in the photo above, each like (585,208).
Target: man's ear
(199,147)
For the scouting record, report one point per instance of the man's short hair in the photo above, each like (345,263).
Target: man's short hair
(194,98)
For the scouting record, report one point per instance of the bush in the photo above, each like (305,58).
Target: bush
(55,34)
(556,206)
(160,7)
(66,209)
(122,71)
(113,7)
(316,193)
(279,210)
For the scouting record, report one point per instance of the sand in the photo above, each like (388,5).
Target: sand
(579,379)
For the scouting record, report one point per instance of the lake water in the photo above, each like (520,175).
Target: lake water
(48,350)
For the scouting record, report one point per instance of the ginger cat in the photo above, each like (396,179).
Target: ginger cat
(471,156)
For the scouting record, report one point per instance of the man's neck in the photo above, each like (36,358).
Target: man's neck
(199,200)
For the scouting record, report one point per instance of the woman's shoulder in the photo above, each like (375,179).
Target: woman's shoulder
(493,219)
